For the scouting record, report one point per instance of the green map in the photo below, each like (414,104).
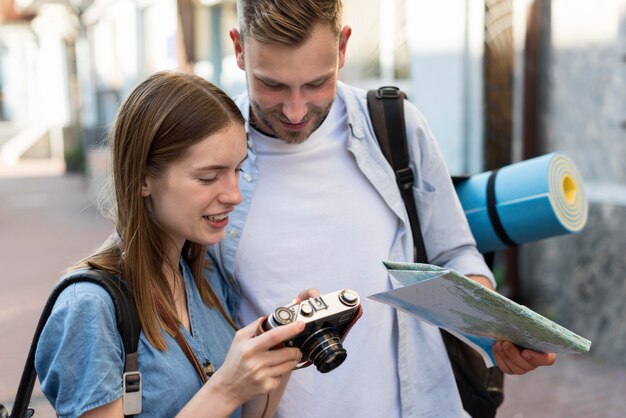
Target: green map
(474,313)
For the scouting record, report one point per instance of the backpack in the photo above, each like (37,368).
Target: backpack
(480,388)
(128,325)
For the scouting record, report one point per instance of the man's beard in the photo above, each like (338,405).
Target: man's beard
(262,121)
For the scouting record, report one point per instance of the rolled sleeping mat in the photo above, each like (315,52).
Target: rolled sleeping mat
(523,202)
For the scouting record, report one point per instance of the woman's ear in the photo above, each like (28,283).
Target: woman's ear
(146,186)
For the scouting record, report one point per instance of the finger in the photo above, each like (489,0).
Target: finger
(309,293)
(249,330)
(506,364)
(270,384)
(500,361)
(275,336)
(514,358)
(272,358)
(278,362)
(539,359)
(281,369)
(304,295)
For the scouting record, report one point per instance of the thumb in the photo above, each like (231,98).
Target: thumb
(250,330)
(275,336)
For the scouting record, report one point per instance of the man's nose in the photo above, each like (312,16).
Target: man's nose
(295,107)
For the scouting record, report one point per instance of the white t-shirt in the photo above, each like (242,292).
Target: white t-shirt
(316,221)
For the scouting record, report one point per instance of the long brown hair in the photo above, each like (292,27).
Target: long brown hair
(160,119)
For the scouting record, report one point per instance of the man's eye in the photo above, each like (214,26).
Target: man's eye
(272,85)
(207,180)
(317,85)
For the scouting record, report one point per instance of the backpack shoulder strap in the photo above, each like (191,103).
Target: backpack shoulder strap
(386,108)
(480,398)
(128,326)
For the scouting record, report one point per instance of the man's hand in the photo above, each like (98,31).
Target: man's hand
(512,360)
(481,280)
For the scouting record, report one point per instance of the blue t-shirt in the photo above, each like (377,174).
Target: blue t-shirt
(80,356)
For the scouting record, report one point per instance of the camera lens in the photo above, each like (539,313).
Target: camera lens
(324,349)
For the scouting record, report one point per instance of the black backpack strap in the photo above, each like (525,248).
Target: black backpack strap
(128,326)
(386,107)
(481,389)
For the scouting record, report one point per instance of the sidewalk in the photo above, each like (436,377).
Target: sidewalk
(577,386)
(47,223)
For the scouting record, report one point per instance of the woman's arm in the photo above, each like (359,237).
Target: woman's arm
(265,406)
(110,410)
(251,371)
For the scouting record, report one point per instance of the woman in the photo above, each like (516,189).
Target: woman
(177,145)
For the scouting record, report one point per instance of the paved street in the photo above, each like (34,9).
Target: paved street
(47,223)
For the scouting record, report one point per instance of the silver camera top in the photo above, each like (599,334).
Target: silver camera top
(316,308)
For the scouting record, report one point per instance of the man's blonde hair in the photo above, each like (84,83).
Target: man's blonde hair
(287,22)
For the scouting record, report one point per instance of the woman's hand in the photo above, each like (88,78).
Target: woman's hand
(251,367)
(305,294)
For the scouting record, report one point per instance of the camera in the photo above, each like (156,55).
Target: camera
(327,319)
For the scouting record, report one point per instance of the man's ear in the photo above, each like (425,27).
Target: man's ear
(343,43)
(235,36)
(146,187)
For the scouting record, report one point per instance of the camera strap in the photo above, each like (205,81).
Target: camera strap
(203,372)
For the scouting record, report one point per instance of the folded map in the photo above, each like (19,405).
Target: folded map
(475,314)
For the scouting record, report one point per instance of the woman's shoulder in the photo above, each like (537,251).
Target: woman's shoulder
(81,290)
(83,311)
(79,357)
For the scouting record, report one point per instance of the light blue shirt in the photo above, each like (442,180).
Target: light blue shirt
(426,382)
(80,355)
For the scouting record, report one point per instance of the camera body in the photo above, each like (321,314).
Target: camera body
(327,320)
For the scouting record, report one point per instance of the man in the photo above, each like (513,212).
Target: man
(321,209)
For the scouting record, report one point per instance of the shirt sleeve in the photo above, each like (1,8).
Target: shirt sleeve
(80,356)
(448,239)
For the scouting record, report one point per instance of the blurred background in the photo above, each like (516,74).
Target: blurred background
(499,81)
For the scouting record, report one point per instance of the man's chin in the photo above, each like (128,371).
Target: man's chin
(297,136)
(294,138)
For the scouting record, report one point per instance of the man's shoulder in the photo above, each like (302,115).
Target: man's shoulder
(348,90)
(242,102)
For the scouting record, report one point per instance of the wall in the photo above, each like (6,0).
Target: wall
(579,280)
